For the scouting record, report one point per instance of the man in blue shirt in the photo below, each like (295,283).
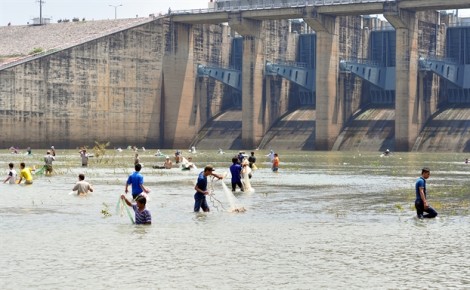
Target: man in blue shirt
(421,202)
(201,189)
(137,181)
(235,170)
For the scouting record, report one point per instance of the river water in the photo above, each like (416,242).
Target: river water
(327,220)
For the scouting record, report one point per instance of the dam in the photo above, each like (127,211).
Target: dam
(245,74)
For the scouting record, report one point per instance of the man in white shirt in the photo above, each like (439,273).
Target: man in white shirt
(11,175)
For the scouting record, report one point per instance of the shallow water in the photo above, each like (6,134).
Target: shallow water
(326,220)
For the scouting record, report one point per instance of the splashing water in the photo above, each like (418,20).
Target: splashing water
(235,206)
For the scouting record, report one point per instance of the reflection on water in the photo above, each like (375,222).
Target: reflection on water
(326,220)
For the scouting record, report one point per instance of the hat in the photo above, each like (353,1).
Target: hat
(209,168)
(48,152)
(52,147)
(168,157)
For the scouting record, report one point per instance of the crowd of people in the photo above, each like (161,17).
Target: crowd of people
(241,170)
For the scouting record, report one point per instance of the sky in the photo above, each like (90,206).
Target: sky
(20,12)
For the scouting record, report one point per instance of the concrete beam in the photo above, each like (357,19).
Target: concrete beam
(274,14)
(319,22)
(407,124)
(279,13)
(398,18)
(244,26)
(325,9)
(352,9)
(328,104)
(421,5)
(201,18)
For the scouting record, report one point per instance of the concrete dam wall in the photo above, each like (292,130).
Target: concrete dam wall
(111,88)
(106,89)
(137,86)
(137,83)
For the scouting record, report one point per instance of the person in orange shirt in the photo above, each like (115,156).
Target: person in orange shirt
(275,167)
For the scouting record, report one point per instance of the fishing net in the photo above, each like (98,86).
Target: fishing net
(121,206)
(235,205)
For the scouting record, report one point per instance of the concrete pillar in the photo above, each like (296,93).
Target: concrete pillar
(252,78)
(420,110)
(328,105)
(406,122)
(202,94)
(179,103)
(342,94)
(269,90)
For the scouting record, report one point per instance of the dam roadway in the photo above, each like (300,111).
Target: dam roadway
(140,85)
(296,9)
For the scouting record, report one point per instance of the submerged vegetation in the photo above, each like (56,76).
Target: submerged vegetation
(105,211)
(99,150)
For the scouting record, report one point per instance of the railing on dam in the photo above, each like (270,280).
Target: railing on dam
(242,5)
